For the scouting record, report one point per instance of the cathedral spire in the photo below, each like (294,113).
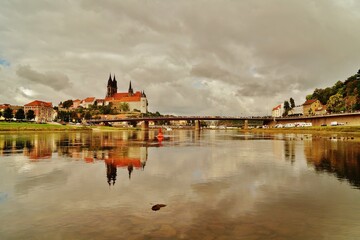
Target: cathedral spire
(109,81)
(114,82)
(131,91)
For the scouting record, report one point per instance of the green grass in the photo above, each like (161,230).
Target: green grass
(22,126)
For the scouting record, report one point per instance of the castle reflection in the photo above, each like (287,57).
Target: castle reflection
(121,150)
(126,152)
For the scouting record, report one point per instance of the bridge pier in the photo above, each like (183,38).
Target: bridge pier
(197,125)
(246,124)
(145,126)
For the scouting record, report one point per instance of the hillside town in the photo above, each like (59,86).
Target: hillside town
(341,98)
(114,104)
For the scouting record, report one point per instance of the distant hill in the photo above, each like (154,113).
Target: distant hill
(343,96)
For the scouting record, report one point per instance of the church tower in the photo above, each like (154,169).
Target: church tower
(130,91)
(111,87)
(114,85)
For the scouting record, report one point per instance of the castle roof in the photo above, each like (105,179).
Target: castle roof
(124,162)
(124,97)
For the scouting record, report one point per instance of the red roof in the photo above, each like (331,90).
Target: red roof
(89,99)
(77,100)
(277,107)
(38,103)
(4,106)
(124,97)
(310,101)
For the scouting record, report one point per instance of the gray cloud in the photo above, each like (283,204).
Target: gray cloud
(228,57)
(55,80)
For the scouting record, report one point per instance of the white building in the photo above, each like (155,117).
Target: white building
(278,111)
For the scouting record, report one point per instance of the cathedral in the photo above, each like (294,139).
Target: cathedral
(137,101)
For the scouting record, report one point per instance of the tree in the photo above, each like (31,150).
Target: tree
(87,116)
(125,107)
(8,113)
(105,109)
(335,103)
(20,114)
(0,114)
(67,104)
(30,115)
(292,103)
(286,108)
(308,97)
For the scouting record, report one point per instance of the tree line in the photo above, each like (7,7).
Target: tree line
(93,111)
(19,115)
(341,97)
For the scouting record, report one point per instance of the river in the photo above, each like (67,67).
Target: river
(213,184)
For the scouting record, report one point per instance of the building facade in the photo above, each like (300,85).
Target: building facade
(44,111)
(310,106)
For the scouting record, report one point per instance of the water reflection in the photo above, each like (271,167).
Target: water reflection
(338,157)
(126,150)
(215,185)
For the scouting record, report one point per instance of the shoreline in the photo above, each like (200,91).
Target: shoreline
(311,130)
(6,127)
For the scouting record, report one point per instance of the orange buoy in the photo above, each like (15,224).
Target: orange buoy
(160,135)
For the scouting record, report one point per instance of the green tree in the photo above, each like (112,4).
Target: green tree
(20,114)
(308,97)
(105,109)
(335,103)
(292,103)
(1,114)
(30,115)
(125,107)
(8,113)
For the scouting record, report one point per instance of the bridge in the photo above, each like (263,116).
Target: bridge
(197,119)
(316,120)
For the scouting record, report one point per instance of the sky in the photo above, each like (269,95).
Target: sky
(191,57)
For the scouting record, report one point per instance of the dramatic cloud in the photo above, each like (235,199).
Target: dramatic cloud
(55,80)
(191,57)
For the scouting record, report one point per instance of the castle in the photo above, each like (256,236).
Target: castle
(136,101)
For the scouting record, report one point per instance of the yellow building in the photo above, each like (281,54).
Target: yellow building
(310,107)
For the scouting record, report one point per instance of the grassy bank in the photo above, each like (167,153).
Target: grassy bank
(15,126)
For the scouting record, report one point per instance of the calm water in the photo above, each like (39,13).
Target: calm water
(215,185)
